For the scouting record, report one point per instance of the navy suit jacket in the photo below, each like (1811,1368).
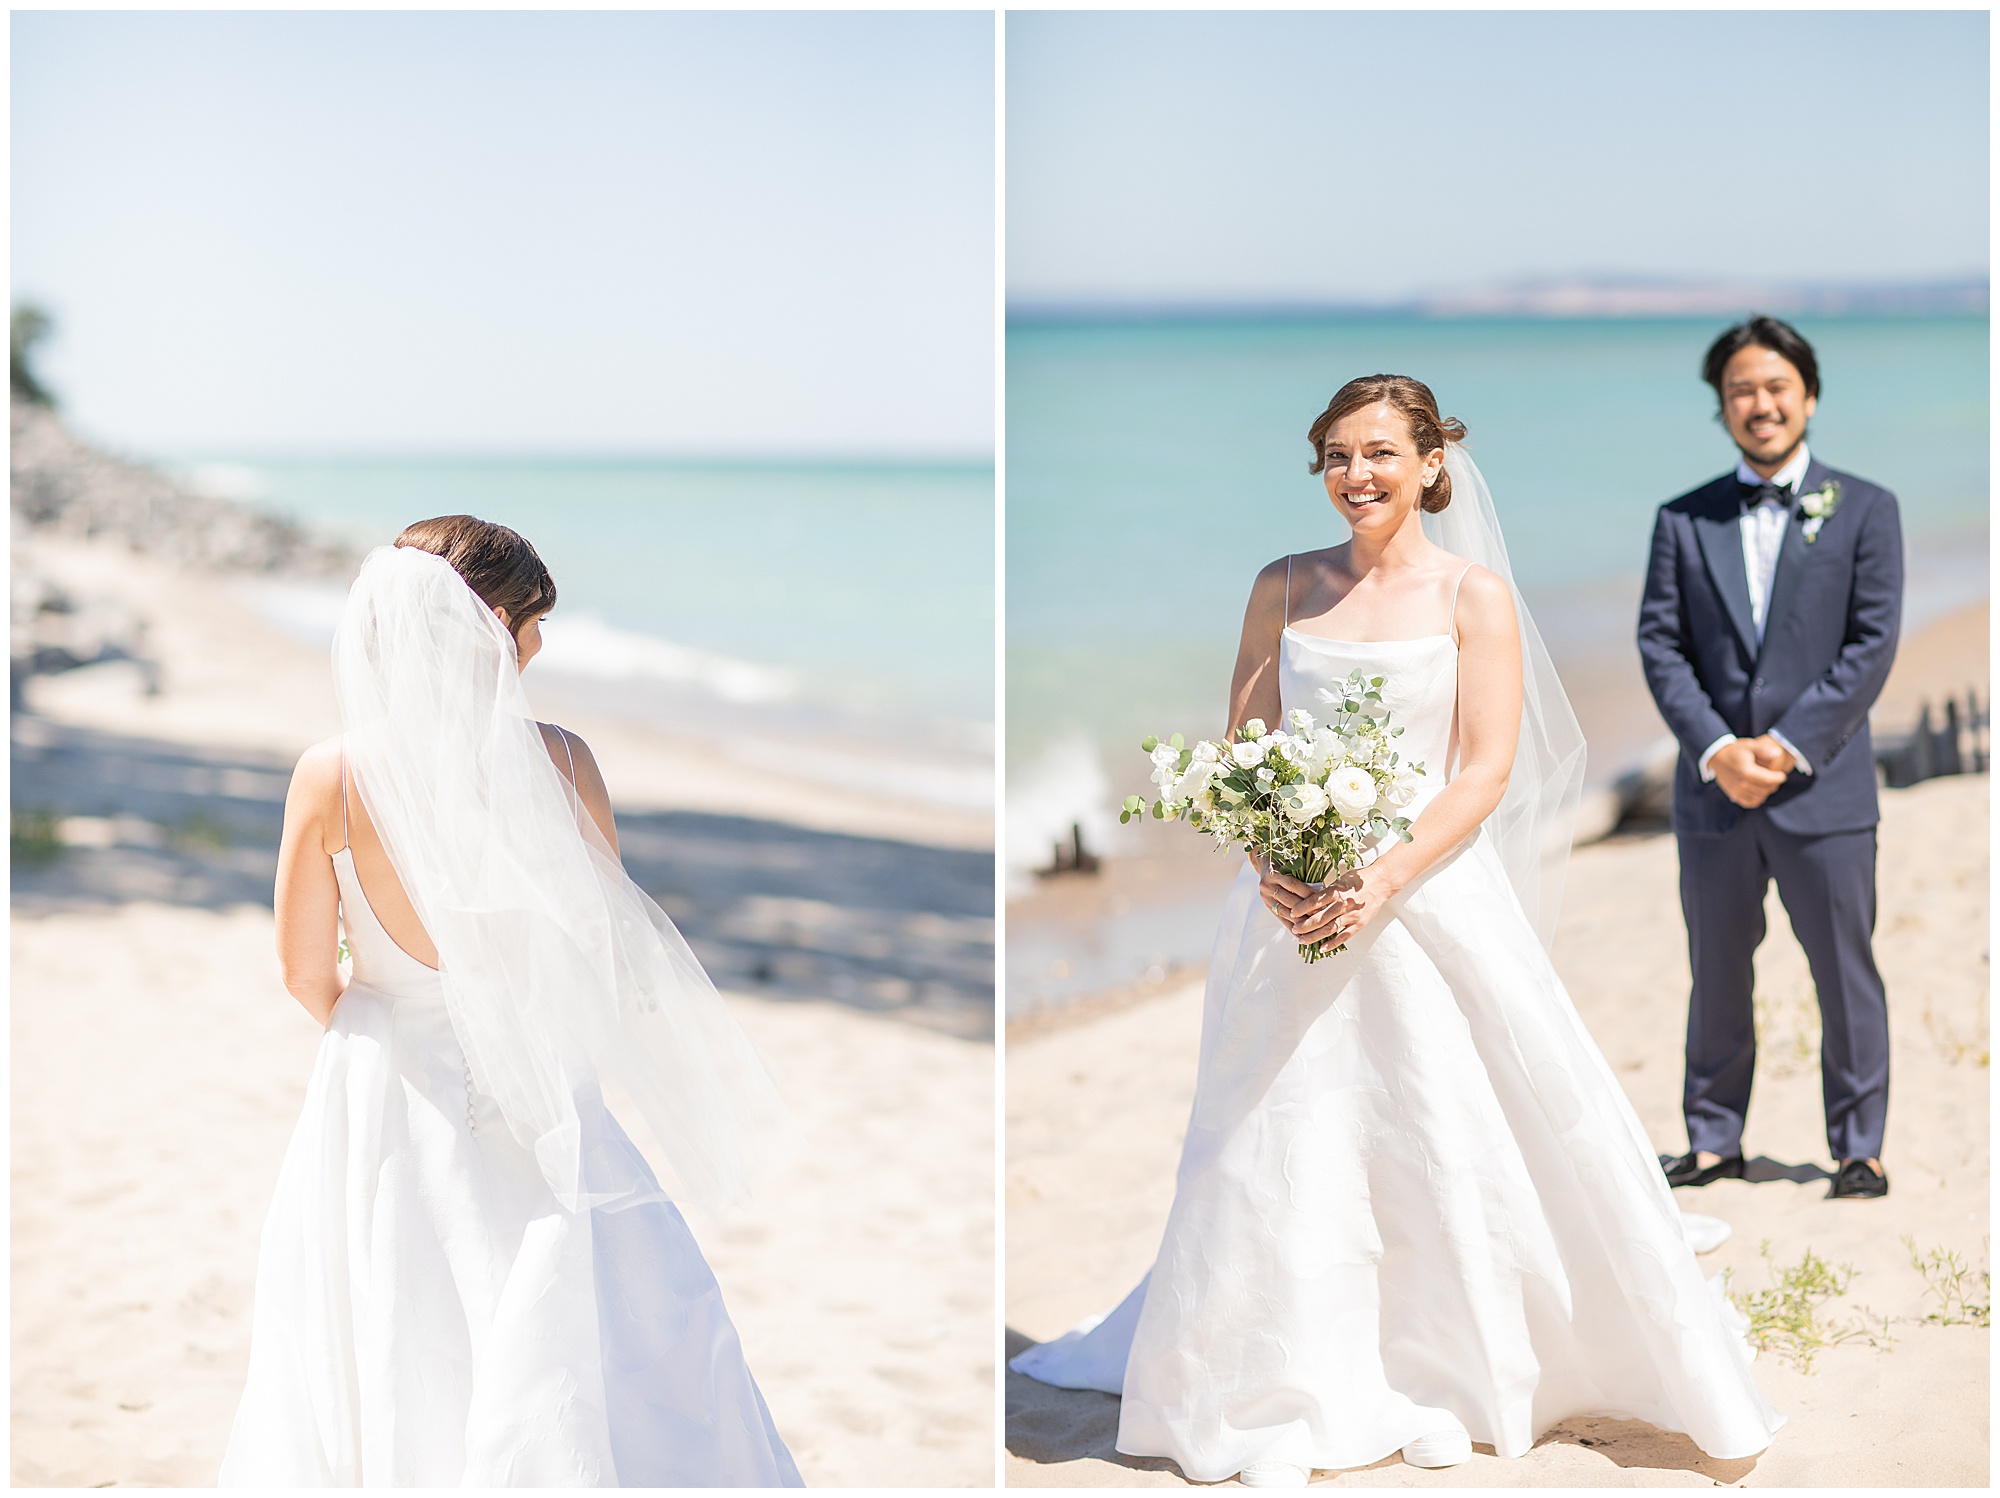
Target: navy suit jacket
(1829,635)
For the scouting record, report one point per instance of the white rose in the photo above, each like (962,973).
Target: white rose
(1302,802)
(1403,790)
(1301,721)
(1351,789)
(1166,756)
(1191,785)
(1255,728)
(1248,753)
(1207,753)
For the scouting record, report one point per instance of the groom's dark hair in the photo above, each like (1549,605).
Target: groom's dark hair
(1781,338)
(496,563)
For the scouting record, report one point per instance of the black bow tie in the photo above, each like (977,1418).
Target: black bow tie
(1756,494)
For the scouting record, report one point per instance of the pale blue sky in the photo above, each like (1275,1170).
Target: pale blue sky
(611,231)
(1368,156)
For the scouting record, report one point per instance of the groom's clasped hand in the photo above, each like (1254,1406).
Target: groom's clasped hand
(1748,770)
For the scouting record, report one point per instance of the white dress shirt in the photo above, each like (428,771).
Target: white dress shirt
(1763,537)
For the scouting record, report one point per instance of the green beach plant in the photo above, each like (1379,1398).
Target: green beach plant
(1950,1280)
(1786,1317)
(199,831)
(34,837)
(28,327)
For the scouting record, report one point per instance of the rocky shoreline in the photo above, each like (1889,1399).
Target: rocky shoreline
(64,489)
(62,486)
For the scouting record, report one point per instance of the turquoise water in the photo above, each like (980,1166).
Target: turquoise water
(1153,467)
(871,585)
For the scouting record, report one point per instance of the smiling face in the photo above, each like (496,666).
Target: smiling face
(1374,474)
(1765,406)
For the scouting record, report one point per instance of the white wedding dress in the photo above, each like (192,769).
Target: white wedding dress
(428,1314)
(1412,1192)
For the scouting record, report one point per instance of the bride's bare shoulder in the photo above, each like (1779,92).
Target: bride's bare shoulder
(320,763)
(1483,596)
(1290,570)
(566,747)
(315,786)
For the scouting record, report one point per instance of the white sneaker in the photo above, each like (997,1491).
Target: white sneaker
(1441,1448)
(1273,1475)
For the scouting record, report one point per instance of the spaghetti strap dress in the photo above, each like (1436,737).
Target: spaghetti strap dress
(1412,1193)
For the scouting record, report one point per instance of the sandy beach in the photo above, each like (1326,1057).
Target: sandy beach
(1097,1102)
(158,1064)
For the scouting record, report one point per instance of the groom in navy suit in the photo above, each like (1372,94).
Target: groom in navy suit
(1768,624)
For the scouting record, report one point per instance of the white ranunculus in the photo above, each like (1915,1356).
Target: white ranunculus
(1302,802)
(1351,789)
(1247,753)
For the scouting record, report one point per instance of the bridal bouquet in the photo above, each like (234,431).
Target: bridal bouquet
(1313,801)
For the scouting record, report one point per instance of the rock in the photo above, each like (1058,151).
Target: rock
(63,486)
(1645,792)
(1597,815)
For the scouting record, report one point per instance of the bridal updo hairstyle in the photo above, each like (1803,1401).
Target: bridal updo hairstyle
(496,563)
(1413,399)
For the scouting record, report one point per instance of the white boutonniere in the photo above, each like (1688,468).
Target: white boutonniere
(1817,505)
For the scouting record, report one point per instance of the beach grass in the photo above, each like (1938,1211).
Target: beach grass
(1949,1280)
(1787,1317)
(33,836)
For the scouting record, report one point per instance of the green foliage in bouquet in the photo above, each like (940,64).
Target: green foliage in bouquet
(1314,799)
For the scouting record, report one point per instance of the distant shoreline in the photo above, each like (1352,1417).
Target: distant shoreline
(1607,299)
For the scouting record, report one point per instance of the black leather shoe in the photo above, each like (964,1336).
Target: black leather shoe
(1858,1178)
(1683,1171)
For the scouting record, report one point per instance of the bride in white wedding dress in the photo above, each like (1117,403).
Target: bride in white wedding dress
(1414,1210)
(469,1274)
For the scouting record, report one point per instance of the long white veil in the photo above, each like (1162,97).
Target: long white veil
(556,967)
(1536,819)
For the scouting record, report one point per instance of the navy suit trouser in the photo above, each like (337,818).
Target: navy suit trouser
(1827,884)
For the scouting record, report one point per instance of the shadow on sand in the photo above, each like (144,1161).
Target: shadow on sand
(1047,1425)
(899,929)
(1760,1168)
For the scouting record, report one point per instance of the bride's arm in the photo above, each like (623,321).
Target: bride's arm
(1489,729)
(307,896)
(1253,689)
(1253,693)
